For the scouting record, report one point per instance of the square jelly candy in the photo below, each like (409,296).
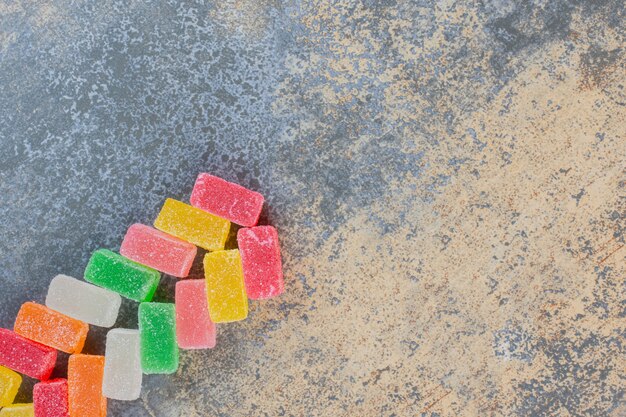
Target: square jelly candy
(84,380)
(50,398)
(157,329)
(226,294)
(158,250)
(226,199)
(18,410)
(51,328)
(122,374)
(83,301)
(194,327)
(114,272)
(260,258)
(10,382)
(25,356)
(193,225)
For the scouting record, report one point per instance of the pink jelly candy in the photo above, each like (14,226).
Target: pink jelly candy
(158,250)
(260,258)
(194,328)
(50,398)
(226,199)
(25,356)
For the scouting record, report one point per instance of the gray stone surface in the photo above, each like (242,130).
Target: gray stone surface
(446,177)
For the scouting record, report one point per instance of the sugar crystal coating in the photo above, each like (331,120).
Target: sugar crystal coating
(262,265)
(84,380)
(51,328)
(156,349)
(114,272)
(157,327)
(122,365)
(50,398)
(193,225)
(10,382)
(194,327)
(83,301)
(226,199)
(18,410)
(25,356)
(226,294)
(158,250)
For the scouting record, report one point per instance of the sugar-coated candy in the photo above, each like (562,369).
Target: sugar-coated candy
(122,365)
(25,356)
(114,272)
(226,199)
(50,398)
(193,225)
(10,382)
(51,328)
(83,301)
(84,380)
(18,410)
(226,294)
(157,328)
(194,327)
(260,258)
(158,250)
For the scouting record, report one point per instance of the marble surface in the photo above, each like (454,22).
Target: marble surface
(447,178)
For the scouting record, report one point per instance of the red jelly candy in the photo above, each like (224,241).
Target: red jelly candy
(260,258)
(227,200)
(25,356)
(50,398)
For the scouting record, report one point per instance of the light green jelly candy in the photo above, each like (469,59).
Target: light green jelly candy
(157,330)
(114,272)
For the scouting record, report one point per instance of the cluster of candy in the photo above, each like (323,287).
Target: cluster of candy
(254,271)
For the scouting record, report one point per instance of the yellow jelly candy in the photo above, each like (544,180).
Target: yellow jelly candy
(9,384)
(18,410)
(193,225)
(226,293)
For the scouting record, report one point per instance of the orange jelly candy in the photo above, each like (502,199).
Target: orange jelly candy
(84,378)
(48,327)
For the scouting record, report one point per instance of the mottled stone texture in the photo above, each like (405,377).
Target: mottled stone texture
(447,178)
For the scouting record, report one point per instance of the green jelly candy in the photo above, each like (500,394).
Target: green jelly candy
(157,330)
(114,272)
